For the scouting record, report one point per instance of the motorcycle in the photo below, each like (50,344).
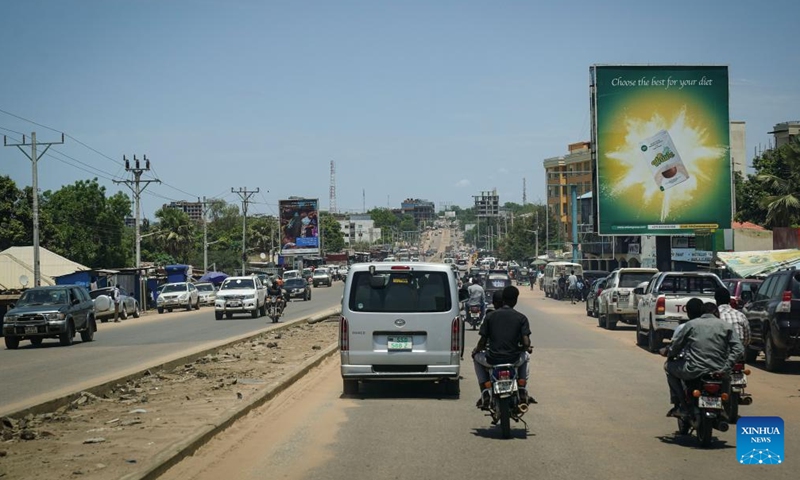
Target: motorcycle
(738,396)
(705,397)
(474,316)
(274,310)
(506,403)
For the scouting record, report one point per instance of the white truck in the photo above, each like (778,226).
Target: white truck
(618,303)
(662,303)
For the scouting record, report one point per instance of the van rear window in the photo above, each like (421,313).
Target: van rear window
(400,292)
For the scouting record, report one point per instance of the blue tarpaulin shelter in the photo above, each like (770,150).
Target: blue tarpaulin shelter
(213,277)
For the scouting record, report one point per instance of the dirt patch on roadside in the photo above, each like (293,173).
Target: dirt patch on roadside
(118,433)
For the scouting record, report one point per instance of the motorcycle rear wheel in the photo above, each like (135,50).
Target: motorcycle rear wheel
(704,432)
(504,409)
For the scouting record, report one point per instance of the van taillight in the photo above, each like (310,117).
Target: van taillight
(344,335)
(661,306)
(455,335)
(786,302)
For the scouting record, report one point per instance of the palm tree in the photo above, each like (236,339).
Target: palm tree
(176,233)
(783,208)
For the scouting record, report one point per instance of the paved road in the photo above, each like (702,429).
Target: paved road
(601,416)
(31,375)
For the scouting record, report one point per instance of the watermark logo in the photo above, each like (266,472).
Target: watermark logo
(759,440)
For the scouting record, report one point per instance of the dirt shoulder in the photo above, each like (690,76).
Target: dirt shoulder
(123,431)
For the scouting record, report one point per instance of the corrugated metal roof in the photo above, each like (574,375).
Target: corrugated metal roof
(17,261)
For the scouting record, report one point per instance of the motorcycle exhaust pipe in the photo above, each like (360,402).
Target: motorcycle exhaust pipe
(723,426)
(523,407)
(746,400)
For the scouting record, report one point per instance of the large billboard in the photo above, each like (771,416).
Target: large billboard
(299,226)
(661,138)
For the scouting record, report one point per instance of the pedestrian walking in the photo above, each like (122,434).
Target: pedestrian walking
(115,298)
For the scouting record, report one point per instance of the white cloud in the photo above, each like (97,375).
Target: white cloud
(463,183)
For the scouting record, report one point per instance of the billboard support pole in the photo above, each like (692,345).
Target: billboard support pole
(574,199)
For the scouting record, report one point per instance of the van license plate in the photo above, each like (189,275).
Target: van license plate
(399,343)
(710,402)
(31,330)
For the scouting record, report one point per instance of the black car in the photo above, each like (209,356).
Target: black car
(591,298)
(297,288)
(50,312)
(774,317)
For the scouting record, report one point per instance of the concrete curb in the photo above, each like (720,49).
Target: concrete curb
(176,452)
(106,385)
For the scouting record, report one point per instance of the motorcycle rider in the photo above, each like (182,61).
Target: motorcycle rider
(477,296)
(505,336)
(734,317)
(703,346)
(274,290)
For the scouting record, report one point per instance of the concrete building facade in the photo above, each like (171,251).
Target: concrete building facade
(358,229)
(421,210)
(193,209)
(784,132)
(561,173)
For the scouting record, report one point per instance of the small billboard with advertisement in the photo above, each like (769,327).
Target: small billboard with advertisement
(299,219)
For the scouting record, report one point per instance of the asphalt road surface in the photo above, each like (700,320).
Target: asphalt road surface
(32,375)
(601,411)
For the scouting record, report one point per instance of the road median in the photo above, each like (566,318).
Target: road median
(138,426)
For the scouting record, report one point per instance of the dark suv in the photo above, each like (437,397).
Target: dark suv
(774,317)
(50,312)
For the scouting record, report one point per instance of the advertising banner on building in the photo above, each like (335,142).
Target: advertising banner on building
(662,149)
(299,226)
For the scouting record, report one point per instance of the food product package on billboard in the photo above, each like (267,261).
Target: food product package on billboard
(664,160)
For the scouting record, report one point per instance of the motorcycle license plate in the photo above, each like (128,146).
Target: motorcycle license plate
(738,379)
(503,386)
(710,402)
(399,342)
(31,330)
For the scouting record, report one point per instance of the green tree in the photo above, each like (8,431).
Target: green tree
(16,225)
(331,233)
(384,218)
(176,233)
(782,186)
(80,223)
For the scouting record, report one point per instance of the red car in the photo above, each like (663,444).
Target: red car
(742,290)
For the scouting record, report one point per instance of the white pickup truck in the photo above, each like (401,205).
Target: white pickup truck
(662,304)
(618,303)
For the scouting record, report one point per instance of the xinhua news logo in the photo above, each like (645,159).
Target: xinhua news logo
(759,440)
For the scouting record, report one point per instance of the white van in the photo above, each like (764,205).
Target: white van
(553,270)
(401,321)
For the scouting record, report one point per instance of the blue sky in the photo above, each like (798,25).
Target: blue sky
(427,99)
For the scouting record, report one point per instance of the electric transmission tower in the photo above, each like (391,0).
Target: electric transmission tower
(332,191)
(524,192)
(137,186)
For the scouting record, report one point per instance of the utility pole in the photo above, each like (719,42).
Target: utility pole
(137,186)
(245,195)
(205,235)
(34,158)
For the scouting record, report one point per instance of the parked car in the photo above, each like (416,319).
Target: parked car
(104,304)
(617,302)
(50,312)
(774,317)
(241,295)
(207,293)
(297,288)
(592,298)
(322,277)
(662,303)
(178,295)
(742,290)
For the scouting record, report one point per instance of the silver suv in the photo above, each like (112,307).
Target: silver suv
(178,295)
